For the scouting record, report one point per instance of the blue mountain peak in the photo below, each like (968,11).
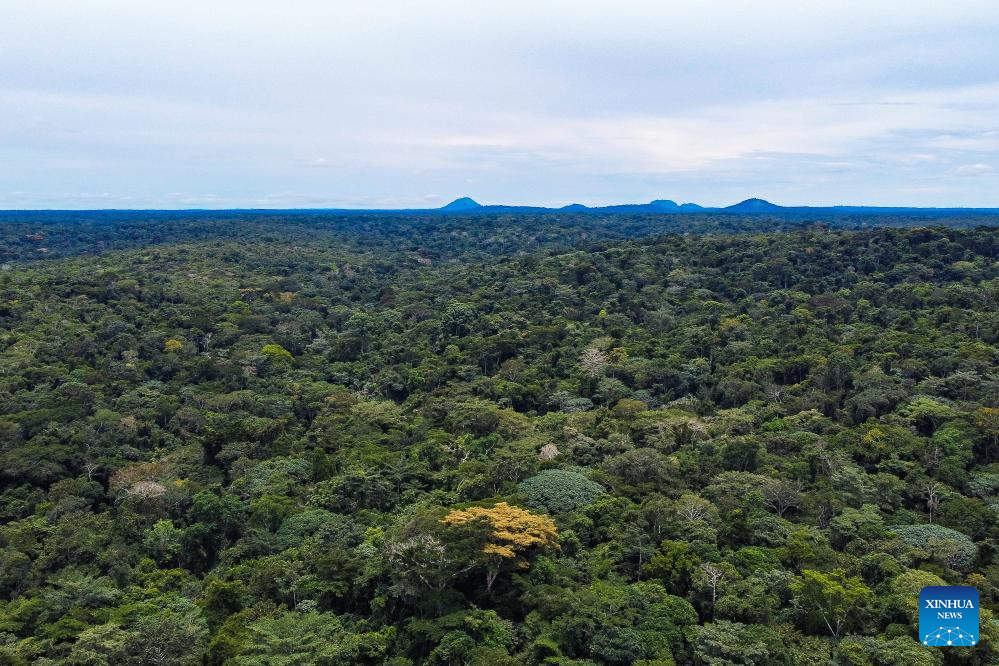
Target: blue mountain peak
(464,203)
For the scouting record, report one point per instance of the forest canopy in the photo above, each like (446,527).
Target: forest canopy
(494,441)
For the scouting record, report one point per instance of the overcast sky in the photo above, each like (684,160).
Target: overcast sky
(317,103)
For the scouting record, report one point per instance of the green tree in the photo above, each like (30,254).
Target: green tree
(724,643)
(556,491)
(833,599)
(308,638)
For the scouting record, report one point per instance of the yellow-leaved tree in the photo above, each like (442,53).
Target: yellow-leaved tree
(511,532)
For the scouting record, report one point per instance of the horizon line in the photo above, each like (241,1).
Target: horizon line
(656,205)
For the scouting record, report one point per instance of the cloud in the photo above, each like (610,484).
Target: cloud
(384,101)
(974,170)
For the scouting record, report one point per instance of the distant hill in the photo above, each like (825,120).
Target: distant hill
(754,206)
(466,206)
(462,204)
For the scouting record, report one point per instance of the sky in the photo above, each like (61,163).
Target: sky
(391,104)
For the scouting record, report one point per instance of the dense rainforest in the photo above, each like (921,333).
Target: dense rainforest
(550,440)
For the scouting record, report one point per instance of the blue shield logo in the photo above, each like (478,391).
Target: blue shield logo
(948,616)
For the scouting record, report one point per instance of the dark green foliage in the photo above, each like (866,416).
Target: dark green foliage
(559,490)
(948,546)
(233,439)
